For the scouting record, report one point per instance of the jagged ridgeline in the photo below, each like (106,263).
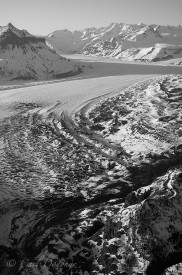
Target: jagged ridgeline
(24,57)
(139,42)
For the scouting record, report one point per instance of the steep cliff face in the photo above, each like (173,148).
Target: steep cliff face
(122,41)
(24,56)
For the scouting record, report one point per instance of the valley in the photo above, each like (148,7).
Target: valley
(91,150)
(120,41)
(66,187)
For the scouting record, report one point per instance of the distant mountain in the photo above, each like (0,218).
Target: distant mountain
(25,56)
(122,41)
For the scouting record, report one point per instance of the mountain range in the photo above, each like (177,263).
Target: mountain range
(139,42)
(25,56)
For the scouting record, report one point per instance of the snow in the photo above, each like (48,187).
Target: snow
(104,80)
(106,77)
(32,60)
(66,40)
(148,116)
(122,41)
(19,33)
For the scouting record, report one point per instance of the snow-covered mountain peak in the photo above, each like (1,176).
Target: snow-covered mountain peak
(147,32)
(141,24)
(122,41)
(10,26)
(9,29)
(25,56)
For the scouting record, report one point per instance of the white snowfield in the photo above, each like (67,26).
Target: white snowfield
(104,78)
(122,41)
(71,94)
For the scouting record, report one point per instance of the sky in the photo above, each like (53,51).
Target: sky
(45,16)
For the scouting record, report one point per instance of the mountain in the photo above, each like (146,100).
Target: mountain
(122,41)
(25,56)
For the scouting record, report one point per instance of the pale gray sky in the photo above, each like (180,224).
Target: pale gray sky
(45,16)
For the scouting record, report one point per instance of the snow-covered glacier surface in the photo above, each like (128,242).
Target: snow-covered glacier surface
(93,187)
